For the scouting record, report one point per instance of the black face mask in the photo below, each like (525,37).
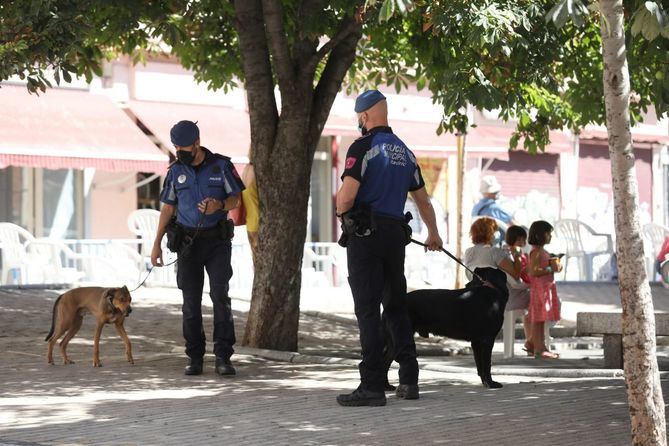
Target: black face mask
(185,157)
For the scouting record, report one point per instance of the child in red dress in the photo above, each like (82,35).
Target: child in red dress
(544,302)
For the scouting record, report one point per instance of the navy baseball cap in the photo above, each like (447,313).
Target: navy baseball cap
(368,99)
(184,133)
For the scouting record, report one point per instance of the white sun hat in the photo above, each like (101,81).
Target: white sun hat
(490,185)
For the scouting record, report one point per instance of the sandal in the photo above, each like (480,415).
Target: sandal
(546,354)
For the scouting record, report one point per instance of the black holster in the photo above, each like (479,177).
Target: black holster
(359,222)
(407,228)
(176,236)
(227,229)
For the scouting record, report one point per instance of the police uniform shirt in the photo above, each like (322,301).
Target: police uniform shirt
(386,169)
(186,186)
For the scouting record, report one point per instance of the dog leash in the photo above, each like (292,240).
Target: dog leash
(442,249)
(197,231)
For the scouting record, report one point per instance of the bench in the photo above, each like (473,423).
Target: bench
(610,325)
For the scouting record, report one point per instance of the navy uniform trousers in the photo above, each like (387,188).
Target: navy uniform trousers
(214,254)
(376,275)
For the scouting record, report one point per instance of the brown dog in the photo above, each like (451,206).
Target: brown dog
(106,304)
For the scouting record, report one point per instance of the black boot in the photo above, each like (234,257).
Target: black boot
(407,391)
(362,397)
(224,367)
(194,367)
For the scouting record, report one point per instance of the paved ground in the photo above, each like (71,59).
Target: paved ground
(277,402)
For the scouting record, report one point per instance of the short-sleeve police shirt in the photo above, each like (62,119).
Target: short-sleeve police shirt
(386,169)
(186,186)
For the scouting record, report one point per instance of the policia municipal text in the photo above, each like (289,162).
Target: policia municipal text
(380,170)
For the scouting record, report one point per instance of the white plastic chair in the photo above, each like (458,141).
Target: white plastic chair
(13,240)
(144,223)
(571,232)
(316,269)
(51,261)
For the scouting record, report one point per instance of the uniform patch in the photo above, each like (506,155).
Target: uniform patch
(350,162)
(181,179)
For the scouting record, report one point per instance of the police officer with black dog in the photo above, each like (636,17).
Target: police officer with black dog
(199,190)
(380,170)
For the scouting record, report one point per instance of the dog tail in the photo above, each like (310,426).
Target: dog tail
(53,319)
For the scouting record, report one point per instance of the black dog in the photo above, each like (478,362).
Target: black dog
(475,314)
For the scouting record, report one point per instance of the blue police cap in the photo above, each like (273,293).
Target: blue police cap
(367,99)
(184,133)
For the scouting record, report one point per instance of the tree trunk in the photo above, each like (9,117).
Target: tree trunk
(460,278)
(283,185)
(641,371)
(283,150)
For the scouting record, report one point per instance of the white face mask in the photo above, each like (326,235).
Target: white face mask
(361,127)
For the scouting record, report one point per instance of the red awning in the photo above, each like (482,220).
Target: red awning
(75,129)
(224,130)
(638,136)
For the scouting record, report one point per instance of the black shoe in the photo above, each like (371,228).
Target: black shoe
(361,397)
(194,367)
(407,391)
(224,367)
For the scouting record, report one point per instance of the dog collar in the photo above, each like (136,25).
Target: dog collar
(111,304)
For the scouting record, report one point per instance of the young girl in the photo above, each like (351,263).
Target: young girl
(544,303)
(483,254)
(519,290)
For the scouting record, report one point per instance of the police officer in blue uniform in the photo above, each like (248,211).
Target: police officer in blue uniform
(380,171)
(200,189)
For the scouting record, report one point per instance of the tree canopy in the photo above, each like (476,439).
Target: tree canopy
(491,54)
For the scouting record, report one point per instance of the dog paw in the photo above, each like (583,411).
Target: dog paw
(97,364)
(493,385)
(131,361)
(389,387)
(67,361)
(50,362)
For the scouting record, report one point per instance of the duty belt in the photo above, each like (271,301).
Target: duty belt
(384,219)
(211,232)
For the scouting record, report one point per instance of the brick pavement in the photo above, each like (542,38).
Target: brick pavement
(269,402)
(152,403)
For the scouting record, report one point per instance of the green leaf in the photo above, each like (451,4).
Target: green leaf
(665,31)
(420,84)
(638,21)
(387,10)
(651,29)
(96,68)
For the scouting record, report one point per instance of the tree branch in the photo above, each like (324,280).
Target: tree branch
(304,46)
(348,26)
(276,36)
(258,77)
(339,62)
